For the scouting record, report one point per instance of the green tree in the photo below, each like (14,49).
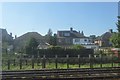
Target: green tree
(49,36)
(115,39)
(55,47)
(52,40)
(31,48)
(118,24)
(49,32)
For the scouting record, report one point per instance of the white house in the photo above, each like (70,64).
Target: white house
(91,46)
(86,42)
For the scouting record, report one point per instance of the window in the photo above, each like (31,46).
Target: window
(59,40)
(66,34)
(89,40)
(77,40)
(85,40)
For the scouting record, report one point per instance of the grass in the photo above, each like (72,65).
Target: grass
(52,66)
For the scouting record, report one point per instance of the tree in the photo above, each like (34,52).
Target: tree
(49,32)
(55,47)
(52,40)
(31,48)
(49,36)
(115,39)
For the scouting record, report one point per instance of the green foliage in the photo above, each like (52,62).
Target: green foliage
(115,39)
(52,40)
(31,48)
(78,47)
(49,32)
(118,24)
(55,47)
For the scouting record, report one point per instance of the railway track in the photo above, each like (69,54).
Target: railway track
(74,74)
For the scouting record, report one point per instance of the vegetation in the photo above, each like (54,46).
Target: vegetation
(32,47)
(55,47)
(52,39)
(115,39)
(78,47)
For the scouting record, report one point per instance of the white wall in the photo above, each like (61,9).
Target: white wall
(86,42)
(81,41)
(93,46)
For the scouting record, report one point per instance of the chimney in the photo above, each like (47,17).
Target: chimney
(11,34)
(71,29)
(111,30)
(79,32)
(15,36)
(82,33)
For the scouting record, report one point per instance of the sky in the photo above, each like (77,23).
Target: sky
(93,18)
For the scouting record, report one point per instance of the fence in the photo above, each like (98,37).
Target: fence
(57,62)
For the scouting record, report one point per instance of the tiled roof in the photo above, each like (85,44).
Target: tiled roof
(104,36)
(73,34)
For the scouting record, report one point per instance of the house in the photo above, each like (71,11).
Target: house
(82,40)
(65,37)
(43,45)
(86,42)
(72,37)
(6,40)
(21,41)
(104,39)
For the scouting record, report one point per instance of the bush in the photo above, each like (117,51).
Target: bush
(78,47)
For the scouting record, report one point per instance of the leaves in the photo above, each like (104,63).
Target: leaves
(115,39)
(77,47)
(31,48)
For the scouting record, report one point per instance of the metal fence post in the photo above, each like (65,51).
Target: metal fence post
(26,62)
(100,60)
(67,56)
(20,63)
(8,64)
(79,60)
(43,62)
(56,61)
(14,62)
(33,62)
(90,59)
(112,61)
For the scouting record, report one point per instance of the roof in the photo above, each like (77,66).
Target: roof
(23,40)
(73,34)
(5,36)
(104,36)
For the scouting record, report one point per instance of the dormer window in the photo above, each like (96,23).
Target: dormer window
(85,40)
(66,34)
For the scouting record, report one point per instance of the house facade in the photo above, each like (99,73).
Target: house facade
(104,39)
(86,42)
(83,40)
(66,37)
(72,37)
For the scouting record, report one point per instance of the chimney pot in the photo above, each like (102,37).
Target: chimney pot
(71,29)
